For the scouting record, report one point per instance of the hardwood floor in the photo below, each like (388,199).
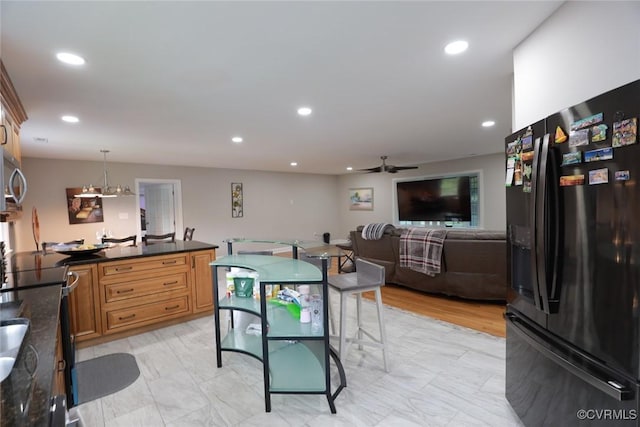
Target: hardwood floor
(481,316)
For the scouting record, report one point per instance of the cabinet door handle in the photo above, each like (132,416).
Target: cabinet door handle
(124,291)
(61,365)
(170,283)
(124,268)
(5,137)
(172,307)
(131,316)
(172,261)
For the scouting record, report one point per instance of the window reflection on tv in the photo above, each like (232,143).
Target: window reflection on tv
(437,199)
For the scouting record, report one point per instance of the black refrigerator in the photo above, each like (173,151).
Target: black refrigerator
(573,229)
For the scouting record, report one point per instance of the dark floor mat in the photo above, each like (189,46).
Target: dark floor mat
(105,375)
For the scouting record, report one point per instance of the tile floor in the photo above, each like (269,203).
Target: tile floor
(440,375)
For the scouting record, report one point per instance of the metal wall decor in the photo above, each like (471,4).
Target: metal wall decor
(236,200)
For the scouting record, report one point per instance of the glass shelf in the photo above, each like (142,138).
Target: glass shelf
(273,269)
(240,341)
(250,305)
(297,367)
(282,324)
(298,355)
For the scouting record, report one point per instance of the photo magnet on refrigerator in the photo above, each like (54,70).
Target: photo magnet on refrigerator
(526,177)
(509,178)
(527,156)
(599,176)
(587,121)
(570,180)
(560,135)
(513,148)
(625,132)
(600,154)
(571,158)
(578,138)
(599,133)
(622,175)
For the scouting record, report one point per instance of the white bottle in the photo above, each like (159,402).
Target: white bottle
(304,291)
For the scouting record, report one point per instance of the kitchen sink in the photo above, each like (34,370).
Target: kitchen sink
(12,333)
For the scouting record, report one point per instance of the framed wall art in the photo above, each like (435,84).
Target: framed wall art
(361,199)
(83,210)
(236,200)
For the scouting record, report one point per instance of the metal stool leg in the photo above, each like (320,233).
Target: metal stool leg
(359,319)
(332,320)
(383,334)
(342,348)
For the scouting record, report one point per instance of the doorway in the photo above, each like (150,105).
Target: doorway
(159,206)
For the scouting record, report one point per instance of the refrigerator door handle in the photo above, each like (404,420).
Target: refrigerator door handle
(545,229)
(540,246)
(608,385)
(532,220)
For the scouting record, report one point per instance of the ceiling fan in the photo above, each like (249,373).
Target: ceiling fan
(387,168)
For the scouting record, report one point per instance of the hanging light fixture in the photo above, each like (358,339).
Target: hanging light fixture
(107,191)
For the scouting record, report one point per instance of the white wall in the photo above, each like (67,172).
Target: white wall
(492,191)
(276,205)
(581,51)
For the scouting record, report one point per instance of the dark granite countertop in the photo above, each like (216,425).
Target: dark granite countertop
(112,254)
(142,250)
(25,394)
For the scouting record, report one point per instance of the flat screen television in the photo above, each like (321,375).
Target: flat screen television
(434,199)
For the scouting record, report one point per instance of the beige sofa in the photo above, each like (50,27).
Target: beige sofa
(474,263)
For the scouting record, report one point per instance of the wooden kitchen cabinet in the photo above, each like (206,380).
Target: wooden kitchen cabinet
(143,291)
(84,304)
(201,280)
(12,115)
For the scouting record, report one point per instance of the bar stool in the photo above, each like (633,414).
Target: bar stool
(368,277)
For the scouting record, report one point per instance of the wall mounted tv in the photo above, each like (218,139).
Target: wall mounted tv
(435,199)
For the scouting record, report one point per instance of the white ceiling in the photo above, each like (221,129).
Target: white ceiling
(172,82)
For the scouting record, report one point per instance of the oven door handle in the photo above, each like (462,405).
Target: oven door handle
(66,290)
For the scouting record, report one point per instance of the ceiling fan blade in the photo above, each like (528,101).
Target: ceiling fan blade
(395,169)
(372,170)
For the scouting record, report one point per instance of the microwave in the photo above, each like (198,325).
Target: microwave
(14,184)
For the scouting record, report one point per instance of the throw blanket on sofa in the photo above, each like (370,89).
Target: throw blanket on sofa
(374,231)
(421,250)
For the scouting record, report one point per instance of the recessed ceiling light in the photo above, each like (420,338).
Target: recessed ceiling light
(70,58)
(70,119)
(304,111)
(349,168)
(488,123)
(456,47)
(236,139)
(294,163)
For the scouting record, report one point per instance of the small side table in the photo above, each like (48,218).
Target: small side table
(346,265)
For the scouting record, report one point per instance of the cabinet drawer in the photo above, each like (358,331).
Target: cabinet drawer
(136,288)
(119,270)
(147,313)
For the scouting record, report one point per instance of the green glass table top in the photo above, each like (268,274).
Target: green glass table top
(313,248)
(273,268)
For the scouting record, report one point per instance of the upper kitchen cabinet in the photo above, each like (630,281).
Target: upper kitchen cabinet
(13,115)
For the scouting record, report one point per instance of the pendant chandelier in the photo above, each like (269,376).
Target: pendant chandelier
(89,191)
